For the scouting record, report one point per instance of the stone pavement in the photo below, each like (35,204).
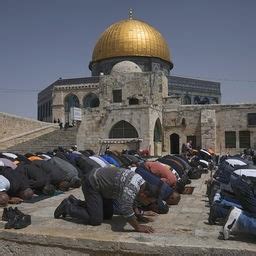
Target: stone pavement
(183,231)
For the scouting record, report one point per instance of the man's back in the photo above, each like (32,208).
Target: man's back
(110,181)
(120,184)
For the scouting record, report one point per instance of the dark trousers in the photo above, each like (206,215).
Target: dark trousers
(224,172)
(95,209)
(245,192)
(220,211)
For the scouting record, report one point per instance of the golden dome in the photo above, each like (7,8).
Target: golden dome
(131,37)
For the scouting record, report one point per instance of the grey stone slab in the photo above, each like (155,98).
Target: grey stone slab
(183,231)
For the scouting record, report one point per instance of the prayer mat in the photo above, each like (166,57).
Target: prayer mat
(37,198)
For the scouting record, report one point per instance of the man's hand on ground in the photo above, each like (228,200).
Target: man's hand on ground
(150,213)
(138,227)
(144,229)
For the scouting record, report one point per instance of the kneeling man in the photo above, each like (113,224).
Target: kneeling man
(101,186)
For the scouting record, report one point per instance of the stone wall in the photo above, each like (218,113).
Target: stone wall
(148,88)
(11,125)
(208,129)
(90,130)
(14,129)
(183,122)
(97,123)
(234,118)
(209,123)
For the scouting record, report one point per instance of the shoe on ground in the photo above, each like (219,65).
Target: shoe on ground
(16,219)
(4,215)
(8,213)
(22,221)
(62,209)
(10,216)
(17,211)
(11,222)
(18,222)
(231,222)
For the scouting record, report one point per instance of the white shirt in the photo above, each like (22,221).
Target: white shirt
(11,155)
(234,162)
(99,161)
(4,184)
(246,172)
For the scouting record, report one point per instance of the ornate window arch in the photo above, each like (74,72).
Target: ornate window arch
(123,129)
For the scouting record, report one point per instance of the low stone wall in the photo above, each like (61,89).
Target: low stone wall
(11,125)
(15,130)
(20,138)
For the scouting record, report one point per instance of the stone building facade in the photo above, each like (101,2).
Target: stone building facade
(131,99)
(224,128)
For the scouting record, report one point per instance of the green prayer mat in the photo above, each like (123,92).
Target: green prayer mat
(37,198)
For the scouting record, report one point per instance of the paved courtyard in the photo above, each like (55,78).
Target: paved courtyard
(183,231)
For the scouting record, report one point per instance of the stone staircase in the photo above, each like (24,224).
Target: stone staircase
(47,142)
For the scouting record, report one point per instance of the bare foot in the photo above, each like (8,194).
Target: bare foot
(15,200)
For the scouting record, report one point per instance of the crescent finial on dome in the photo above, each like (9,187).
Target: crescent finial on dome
(130,14)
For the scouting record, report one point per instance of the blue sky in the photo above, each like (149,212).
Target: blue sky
(41,41)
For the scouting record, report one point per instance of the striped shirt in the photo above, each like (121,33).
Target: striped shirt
(122,185)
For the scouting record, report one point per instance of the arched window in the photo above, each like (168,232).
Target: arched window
(91,101)
(158,131)
(196,100)
(133,101)
(187,100)
(123,129)
(183,122)
(70,101)
(205,101)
